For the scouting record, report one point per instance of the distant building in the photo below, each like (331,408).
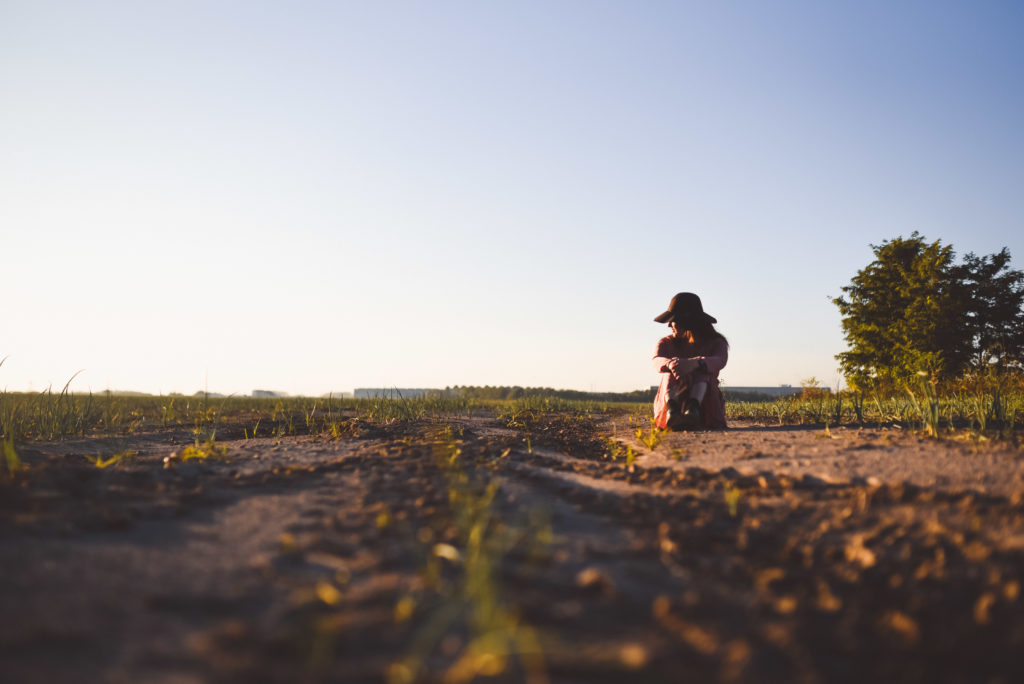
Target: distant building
(268,394)
(336,395)
(391,392)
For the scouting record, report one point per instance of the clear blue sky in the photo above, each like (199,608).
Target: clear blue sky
(315,196)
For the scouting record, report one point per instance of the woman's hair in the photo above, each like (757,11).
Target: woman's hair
(705,332)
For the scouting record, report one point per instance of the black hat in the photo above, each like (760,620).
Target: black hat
(686,309)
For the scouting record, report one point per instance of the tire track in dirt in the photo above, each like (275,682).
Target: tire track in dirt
(120,572)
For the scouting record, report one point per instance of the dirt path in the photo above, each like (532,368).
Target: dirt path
(887,453)
(423,550)
(118,571)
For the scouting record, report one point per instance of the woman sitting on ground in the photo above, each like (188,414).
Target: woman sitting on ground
(689,360)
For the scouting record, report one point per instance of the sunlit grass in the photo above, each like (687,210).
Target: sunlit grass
(101,462)
(11,460)
(56,415)
(651,438)
(923,408)
(497,634)
(47,415)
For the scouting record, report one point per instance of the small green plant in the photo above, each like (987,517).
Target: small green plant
(857,399)
(168,414)
(1011,419)
(929,412)
(878,405)
(496,633)
(101,462)
(11,457)
(203,451)
(652,438)
(732,499)
(614,448)
(837,411)
(981,412)
(255,428)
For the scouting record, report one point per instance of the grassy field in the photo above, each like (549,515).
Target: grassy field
(924,410)
(49,415)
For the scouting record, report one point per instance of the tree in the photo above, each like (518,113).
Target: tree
(901,315)
(913,309)
(994,316)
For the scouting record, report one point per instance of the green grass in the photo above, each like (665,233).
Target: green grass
(50,415)
(11,460)
(46,415)
(497,634)
(101,462)
(919,408)
(652,438)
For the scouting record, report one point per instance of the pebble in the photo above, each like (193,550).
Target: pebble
(815,481)
(730,473)
(596,579)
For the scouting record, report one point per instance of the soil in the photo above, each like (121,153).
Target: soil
(431,550)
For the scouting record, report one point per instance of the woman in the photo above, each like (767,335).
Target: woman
(689,360)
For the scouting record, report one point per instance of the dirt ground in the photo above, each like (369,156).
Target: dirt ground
(516,550)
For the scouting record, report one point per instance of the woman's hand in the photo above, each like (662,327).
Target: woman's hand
(681,366)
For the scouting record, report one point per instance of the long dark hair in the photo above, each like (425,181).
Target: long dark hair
(704,334)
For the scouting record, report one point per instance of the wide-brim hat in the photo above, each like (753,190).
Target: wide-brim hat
(686,309)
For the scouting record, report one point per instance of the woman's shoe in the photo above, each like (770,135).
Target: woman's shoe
(674,419)
(693,414)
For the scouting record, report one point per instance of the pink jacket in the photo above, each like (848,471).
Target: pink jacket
(715,355)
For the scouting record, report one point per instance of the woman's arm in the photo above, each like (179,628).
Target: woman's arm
(718,357)
(664,354)
(666,361)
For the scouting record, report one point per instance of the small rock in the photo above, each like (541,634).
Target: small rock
(730,473)
(595,579)
(813,481)
(633,655)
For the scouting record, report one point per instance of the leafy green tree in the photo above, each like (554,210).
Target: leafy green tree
(994,318)
(899,313)
(913,309)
